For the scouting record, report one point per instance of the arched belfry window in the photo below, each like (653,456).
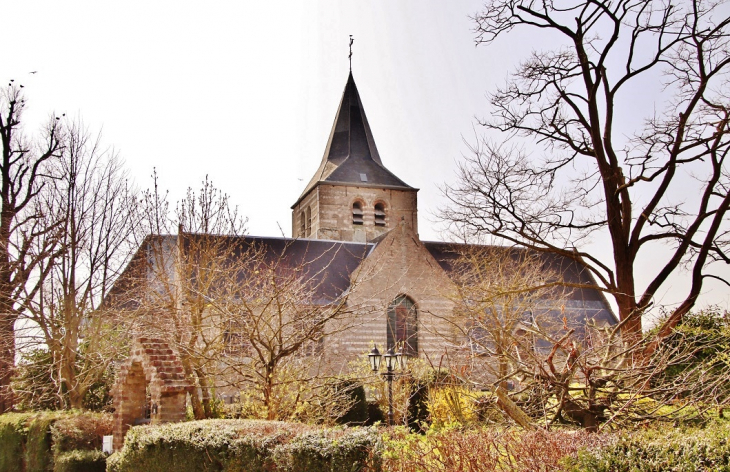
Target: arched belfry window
(379,214)
(302,225)
(357,213)
(403,325)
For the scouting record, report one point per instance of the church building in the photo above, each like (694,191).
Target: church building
(355,227)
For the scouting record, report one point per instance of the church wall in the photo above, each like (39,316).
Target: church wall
(398,265)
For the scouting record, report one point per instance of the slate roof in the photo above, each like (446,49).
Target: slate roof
(326,265)
(329,264)
(583,304)
(351,157)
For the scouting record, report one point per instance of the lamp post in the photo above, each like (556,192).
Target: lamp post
(391,361)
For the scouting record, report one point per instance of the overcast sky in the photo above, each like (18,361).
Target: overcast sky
(246,92)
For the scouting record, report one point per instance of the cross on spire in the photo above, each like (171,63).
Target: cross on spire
(350,56)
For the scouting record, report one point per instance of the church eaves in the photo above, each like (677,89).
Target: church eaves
(351,157)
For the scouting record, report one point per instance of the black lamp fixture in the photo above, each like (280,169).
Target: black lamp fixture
(374,357)
(392,360)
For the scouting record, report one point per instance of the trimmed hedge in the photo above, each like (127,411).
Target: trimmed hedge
(12,438)
(80,461)
(25,441)
(358,450)
(82,432)
(673,450)
(246,445)
(32,441)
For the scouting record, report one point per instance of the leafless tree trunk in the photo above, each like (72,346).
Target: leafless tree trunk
(665,183)
(90,198)
(21,226)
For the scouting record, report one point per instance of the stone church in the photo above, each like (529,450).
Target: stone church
(356,217)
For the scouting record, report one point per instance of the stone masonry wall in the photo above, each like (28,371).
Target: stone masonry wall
(331,210)
(151,363)
(399,265)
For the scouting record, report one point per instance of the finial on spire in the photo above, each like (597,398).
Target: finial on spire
(350,56)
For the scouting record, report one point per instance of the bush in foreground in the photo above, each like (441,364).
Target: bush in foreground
(246,445)
(676,450)
(484,450)
(34,441)
(80,461)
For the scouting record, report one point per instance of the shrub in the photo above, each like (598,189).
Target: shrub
(80,461)
(418,416)
(375,414)
(245,445)
(450,404)
(31,441)
(80,432)
(357,413)
(332,450)
(679,450)
(483,450)
(33,383)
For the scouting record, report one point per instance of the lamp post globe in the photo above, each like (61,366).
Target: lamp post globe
(374,358)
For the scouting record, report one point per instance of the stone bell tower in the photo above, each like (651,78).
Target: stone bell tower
(352,196)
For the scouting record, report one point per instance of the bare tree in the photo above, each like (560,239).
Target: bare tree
(665,183)
(21,225)
(90,199)
(519,332)
(175,273)
(502,295)
(247,318)
(276,317)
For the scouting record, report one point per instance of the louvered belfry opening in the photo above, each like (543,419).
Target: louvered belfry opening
(379,214)
(357,215)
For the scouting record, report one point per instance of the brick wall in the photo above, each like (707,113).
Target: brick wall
(154,366)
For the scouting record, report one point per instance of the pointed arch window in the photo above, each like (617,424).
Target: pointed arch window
(379,214)
(357,213)
(302,225)
(403,325)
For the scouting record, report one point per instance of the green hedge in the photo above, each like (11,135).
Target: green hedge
(246,445)
(80,461)
(13,435)
(669,450)
(328,450)
(25,441)
(31,441)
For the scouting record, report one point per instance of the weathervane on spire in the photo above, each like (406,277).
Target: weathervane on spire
(350,56)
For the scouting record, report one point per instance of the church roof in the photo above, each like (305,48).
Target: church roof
(325,265)
(581,303)
(351,156)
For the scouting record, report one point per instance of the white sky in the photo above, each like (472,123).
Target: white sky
(246,92)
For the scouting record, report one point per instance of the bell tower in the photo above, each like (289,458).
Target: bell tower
(352,196)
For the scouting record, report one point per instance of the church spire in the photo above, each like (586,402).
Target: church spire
(351,156)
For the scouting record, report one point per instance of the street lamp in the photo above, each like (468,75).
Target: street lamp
(392,360)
